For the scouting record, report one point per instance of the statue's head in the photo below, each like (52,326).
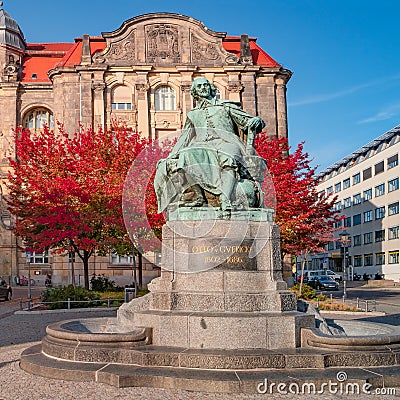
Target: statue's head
(202,88)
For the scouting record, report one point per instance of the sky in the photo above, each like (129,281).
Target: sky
(344,55)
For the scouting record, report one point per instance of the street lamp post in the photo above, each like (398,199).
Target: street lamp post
(344,239)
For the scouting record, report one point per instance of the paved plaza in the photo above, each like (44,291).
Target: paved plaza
(19,331)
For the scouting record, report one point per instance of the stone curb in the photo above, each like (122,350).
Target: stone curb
(363,313)
(64,310)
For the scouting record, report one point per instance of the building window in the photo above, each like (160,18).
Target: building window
(338,187)
(357,261)
(346,183)
(368,238)
(367,194)
(347,202)
(394,257)
(393,161)
(379,212)
(357,219)
(357,199)
(164,99)
(368,216)
(121,98)
(367,173)
(357,240)
(380,190)
(117,259)
(38,118)
(393,232)
(380,167)
(330,246)
(379,236)
(368,260)
(393,185)
(338,224)
(39,258)
(380,258)
(347,222)
(329,190)
(356,179)
(337,206)
(393,208)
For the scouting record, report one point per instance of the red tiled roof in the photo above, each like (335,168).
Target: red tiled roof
(42,57)
(260,57)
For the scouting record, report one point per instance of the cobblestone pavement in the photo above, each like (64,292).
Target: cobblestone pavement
(18,332)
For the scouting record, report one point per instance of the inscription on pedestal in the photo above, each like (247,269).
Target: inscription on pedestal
(220,254)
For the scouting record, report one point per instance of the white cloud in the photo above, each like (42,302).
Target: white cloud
(390,112)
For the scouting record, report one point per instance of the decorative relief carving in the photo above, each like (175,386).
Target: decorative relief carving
(142,87)
(235,87)
(185,87)
(162,43)
(123,49)
(203,50)
(98,86)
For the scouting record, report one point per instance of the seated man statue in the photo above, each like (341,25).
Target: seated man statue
(210,156)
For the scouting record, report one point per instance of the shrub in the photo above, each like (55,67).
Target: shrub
(307,292)
(79,296)
(101,283)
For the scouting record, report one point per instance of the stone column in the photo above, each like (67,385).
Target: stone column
(249,101)
(267,103)
(281,109)
(86,100)
(143,108)
(98,104)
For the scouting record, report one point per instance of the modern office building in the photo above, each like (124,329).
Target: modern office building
(366,184)
(139,74)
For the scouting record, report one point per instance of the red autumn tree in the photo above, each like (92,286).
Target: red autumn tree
(66,191)
(306,218)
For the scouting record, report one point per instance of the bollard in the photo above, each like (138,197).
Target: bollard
(29,304)
(108,303)
(343,299)
(20,305)
(69,303)
(366,305)
(358,303)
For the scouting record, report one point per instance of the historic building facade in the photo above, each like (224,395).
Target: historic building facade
(139,74)
(366,184)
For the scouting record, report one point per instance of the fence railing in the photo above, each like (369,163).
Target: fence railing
(35,304)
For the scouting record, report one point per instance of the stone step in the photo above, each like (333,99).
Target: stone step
(214,381)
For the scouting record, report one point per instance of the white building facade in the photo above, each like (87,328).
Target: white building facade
(366,184)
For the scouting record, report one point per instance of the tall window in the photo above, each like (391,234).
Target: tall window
(393,232)
(357,261)
(393,185)
(380,190)
(357,240)
(368,260)
(357,199)
(346,183)
(367,173)
(393,208)
(121,98)
(347,202)
(379,212)
(394,257)
(379,236)
(368,238)
(393,161)
(367,194)
(38,118)
(356,179)
(380,258)
(338,187)
(368,216)
(380,167)
(357,219)
(164,99)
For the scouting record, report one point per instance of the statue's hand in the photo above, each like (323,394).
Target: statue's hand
(255,124)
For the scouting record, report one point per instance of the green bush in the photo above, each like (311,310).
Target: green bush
(101,283)
(79,296)
(307,292)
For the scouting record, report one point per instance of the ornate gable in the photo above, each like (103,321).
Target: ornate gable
(164,39)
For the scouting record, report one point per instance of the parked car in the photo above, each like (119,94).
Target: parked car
(324,282)
(309,275)
(5,290)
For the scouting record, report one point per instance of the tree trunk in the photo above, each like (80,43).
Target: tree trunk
(140,270)
(85,259)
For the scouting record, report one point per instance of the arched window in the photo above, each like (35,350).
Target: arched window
(37,118)
(164,99)
(121,98)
